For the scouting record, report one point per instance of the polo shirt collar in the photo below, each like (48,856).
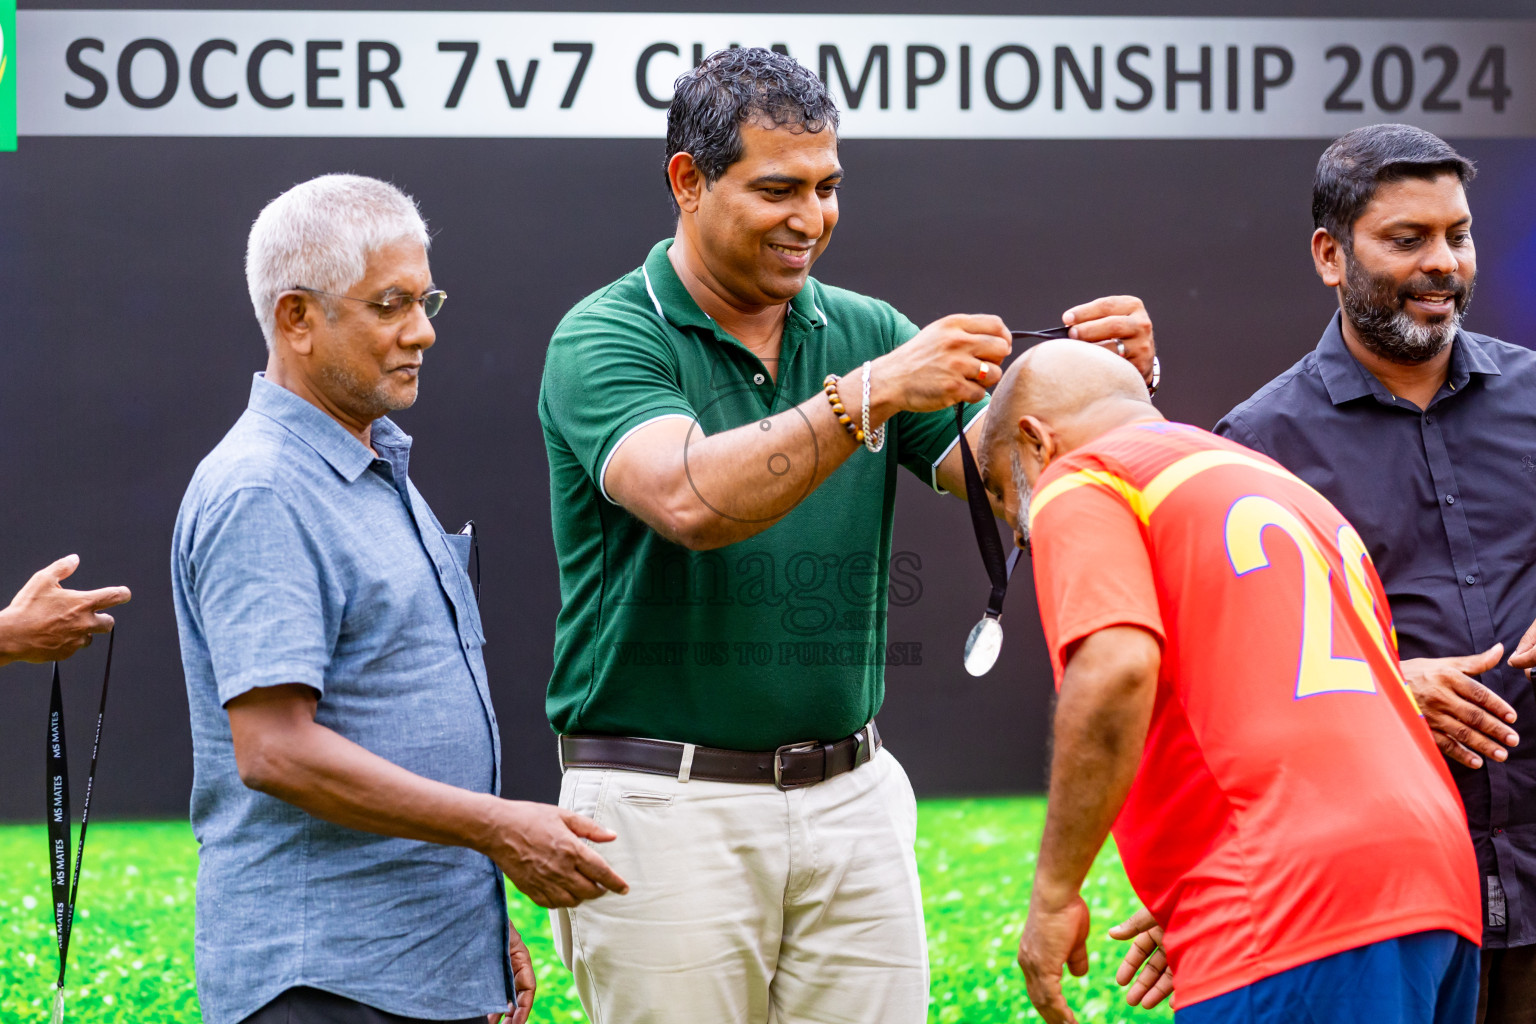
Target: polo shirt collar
(348,456)
(672,303)
(1346,379)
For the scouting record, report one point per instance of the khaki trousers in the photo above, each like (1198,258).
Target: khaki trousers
(750,905)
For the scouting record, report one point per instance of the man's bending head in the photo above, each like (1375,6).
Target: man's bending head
(328,263)
(1056,397)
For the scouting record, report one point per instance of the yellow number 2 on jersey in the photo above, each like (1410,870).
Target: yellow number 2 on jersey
(1318,670)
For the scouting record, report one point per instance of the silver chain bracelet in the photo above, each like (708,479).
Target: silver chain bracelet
(874,440)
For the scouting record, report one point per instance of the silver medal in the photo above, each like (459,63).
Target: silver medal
(983,646)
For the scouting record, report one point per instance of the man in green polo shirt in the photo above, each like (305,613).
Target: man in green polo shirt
(722,515)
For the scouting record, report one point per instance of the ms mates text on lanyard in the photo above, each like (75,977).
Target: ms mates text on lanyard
(66,886)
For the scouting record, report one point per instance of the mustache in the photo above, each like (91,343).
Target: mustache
(1453,284)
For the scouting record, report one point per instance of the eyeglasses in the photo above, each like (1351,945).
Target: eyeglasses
(392,307)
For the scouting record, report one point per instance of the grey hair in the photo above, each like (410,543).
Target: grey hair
(319,234)
(1024,494)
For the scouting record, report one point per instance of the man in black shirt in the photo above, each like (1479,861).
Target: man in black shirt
(1424,436)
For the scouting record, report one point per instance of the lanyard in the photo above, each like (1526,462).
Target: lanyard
(985,641)
(66,886)
(999,567)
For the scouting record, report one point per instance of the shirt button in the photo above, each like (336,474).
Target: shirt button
(1471,579)
(1498,831)
(1429,419)
(758,378)
(1450,499)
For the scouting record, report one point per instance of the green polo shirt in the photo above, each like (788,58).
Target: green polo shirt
(776,639)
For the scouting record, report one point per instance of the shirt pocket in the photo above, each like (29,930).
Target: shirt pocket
(460,546)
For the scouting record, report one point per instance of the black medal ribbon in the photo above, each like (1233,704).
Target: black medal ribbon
(66,883)
(999,567)
(986,637)
(1045,335)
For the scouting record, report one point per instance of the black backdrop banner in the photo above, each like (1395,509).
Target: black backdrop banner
(129,337)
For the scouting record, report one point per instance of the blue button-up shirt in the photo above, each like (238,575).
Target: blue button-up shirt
(1445,499)
(300,557)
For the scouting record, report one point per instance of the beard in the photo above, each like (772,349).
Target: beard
(1375,305)
(367,400)
(1023,494)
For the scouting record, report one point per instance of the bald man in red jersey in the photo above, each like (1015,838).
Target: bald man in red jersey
(1231,702)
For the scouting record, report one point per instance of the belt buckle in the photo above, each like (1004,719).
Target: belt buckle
(778,764)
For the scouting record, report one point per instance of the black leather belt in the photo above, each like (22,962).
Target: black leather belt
(789,767)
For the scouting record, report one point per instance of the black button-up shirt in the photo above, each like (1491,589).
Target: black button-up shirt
(1445,499)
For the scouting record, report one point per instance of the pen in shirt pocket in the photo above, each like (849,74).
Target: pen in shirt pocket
(468,530)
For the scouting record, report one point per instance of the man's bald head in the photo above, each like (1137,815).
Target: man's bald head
(1060,381)
(1057,396)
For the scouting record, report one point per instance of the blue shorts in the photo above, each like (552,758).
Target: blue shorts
(1426,978)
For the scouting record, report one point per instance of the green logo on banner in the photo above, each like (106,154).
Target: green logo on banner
(7,75)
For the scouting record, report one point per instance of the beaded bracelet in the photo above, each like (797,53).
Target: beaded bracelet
(830,386)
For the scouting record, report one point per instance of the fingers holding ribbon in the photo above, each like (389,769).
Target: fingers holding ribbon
(1119,323)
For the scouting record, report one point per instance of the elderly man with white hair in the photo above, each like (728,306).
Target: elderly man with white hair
(347,760)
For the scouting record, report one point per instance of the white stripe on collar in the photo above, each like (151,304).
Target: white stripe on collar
(657,302)
(652,293)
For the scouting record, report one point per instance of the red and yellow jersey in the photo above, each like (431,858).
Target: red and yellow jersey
(1290,802)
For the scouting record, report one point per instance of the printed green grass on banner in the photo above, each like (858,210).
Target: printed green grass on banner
(131,955)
